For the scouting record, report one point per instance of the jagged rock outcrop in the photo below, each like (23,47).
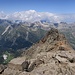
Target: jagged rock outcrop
(50,56)
(53,41)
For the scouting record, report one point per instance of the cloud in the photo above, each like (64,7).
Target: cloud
(2,15)
(32,15)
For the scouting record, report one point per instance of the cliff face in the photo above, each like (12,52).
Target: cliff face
(50,56)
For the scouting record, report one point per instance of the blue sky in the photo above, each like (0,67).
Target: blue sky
(53,6)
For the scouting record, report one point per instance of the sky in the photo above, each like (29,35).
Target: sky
(52,6)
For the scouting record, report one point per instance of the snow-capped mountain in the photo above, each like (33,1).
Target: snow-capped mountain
(32,15)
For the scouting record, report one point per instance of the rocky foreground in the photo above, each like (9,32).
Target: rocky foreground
(50,56)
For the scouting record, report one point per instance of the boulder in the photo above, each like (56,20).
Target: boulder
(19,63)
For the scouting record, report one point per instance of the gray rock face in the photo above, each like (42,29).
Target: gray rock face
(50,56)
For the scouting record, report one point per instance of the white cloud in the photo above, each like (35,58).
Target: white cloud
(2,15)
(32,15)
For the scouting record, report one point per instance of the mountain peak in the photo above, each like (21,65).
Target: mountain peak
(52,36)
(52,33)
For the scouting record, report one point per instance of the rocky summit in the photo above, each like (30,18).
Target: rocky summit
(50,56)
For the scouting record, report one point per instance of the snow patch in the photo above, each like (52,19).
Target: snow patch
(6,30)
(27,33)
(5,56)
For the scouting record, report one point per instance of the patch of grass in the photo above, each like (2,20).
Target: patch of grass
(9,57)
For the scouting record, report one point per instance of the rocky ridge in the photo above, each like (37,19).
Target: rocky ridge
(50,56)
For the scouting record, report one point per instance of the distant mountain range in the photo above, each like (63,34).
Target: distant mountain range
(17,34)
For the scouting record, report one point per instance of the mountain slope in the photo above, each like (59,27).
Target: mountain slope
(17,38)
(54,40)
(16,35)
(50,56)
